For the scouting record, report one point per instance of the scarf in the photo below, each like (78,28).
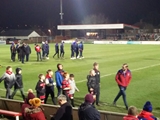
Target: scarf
(8,72)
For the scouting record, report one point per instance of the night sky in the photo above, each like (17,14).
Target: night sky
(46,12)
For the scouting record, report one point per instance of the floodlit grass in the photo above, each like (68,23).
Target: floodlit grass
(143,61)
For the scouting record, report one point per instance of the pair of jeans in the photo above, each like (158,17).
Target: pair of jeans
(123,94)
(15,90)
(39,56)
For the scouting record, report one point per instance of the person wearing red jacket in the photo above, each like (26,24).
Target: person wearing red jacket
(38,51)
(123,78)
(132,114)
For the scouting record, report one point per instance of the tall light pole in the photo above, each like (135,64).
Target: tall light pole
(61,14)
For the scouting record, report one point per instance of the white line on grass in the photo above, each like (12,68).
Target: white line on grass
(141,68)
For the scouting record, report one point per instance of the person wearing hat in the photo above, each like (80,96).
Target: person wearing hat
(26,104)
(132,114)
(18,83)
(146,113)
(123,78)
(65,111)
(35,112)
(87,111)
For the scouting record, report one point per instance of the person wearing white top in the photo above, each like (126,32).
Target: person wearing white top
(73,89)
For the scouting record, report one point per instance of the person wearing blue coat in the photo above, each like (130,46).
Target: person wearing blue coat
(59,78)
(80,47)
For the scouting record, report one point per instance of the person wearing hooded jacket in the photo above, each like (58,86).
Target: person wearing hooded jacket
(87,111)
(9,80)
(18,83)
(146,113)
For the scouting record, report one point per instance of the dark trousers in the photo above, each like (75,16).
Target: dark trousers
(81,53)
(72,100)
(15,90)
(8,93)
(59,91)
(51,92)
(72,53)
(57,53)
(62,53)
(123,94)
(39,57)
(22,58)
(47,53)
(43,53)
(77,53)
(27,57)
(19,56)
(66,94)
(13,56)
(97,95)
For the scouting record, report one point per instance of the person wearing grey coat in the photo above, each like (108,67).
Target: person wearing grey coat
(9,79)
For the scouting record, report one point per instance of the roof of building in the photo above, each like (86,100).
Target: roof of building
(16,33)
(96,26)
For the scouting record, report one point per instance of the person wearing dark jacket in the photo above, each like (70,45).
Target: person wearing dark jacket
(80,47)
(18,83)
(97,72)
(28,52)
(146,113)
(13,52)
(72,51)
(76,49)
(87,111)
(59,78)
(50,86)
(9,80)
(62,49)
(40,88)
(47,49)
(22,52)
(43,46)
(18,51)
(65,110)
(123,78)
(56,50)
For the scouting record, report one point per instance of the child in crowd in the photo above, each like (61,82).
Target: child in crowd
(50,86)
(40,88)
(9,80)
(72,91)
(18,83)
(35,112)
(65,85)
(38,51)
(146,113)
(91,83)
(132,114)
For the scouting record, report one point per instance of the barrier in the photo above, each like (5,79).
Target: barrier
(15,105)
(2,42)
(129,42)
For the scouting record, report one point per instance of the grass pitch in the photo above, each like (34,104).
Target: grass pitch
(143,61)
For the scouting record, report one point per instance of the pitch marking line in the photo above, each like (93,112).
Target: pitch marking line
(141,68)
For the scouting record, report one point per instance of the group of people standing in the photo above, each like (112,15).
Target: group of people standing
(22,50)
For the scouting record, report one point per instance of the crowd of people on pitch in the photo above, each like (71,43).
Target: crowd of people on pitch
(66,87)
(23,51)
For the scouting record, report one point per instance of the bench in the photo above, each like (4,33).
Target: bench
(11,113)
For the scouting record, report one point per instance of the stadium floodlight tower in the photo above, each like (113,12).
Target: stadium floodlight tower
(61,14)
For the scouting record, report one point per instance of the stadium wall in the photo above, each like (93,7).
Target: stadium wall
(15,105)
